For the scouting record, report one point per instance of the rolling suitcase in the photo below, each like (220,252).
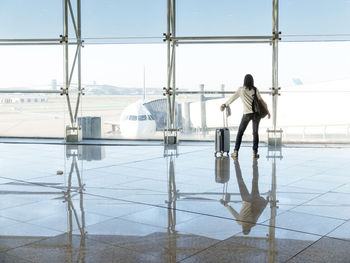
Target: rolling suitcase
(222,138)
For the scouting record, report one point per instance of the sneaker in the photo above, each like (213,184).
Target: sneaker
(256,155)
(234,155)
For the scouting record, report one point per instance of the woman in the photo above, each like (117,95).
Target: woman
(247,94)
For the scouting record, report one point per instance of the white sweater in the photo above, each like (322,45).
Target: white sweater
(246,97)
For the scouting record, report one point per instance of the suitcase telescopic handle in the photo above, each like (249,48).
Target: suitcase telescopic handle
(224,116)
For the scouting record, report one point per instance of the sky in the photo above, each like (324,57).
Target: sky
(212,65)
(121,18)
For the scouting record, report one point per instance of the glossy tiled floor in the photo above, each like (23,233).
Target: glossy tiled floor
(139,202)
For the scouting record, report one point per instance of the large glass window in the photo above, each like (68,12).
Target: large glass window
(118,80)
(213,68)
(315,90)
(302,20)
(132,21)
(31,68)
(209,18)
(124,63)
(30,19)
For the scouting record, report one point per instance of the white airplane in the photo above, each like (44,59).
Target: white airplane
(137,122)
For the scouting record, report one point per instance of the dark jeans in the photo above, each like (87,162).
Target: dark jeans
(244,123)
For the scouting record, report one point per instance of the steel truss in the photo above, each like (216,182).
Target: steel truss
(68,71)
(74,128)
(170,133)
(172,41)
(276,33)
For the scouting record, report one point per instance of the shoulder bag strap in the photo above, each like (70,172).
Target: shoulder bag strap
(254,97)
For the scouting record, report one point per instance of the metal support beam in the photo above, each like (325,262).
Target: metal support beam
(173,30)
(30,91)
(73,18)
(170,132)
(68,72)
(273,213)
(35,44)
(73,65)
(223,42)
(275,41)
(79,58)
(214,92)
(275,135)
(275,93)
(66,59)
(222,37)
(28,40)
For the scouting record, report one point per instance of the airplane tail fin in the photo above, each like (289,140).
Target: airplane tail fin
(297,81)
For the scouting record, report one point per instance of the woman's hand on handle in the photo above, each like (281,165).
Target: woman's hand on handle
(222,107)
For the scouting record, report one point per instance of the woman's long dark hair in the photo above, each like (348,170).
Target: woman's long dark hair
(248,81)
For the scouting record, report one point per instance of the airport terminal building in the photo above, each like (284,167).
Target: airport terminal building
(114,147)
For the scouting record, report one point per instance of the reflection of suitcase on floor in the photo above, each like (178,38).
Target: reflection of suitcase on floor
(222,139)
(222,169)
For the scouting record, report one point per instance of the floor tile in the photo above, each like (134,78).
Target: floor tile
(342,232)
(112,207)
(170,246)
(345,188)
(147,197)
(228,252)
(5,257)
(35,210)
(4,222)
(325,250)
(16,200)
(307,223)
(210,227)
(335,205)
(315,184)
(65,249)
(127,189)
(26,230)
(291,197)
(75,221)
(275,240)
(161,217)
(10,242)
(122,227)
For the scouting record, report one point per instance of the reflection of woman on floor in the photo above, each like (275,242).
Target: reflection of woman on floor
(252,204)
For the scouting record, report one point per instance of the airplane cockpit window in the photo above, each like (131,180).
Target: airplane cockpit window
(132,118)
(126,117)
(150,117)
(142,117)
